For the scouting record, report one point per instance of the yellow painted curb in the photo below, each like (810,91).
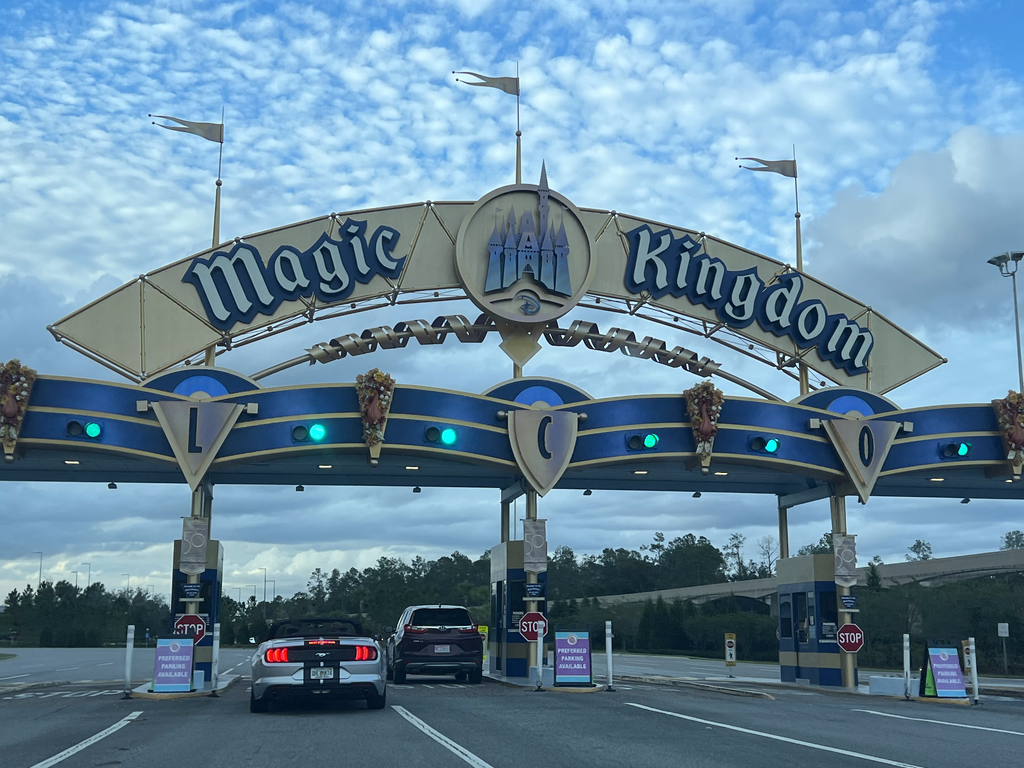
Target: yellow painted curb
(181,694)
(575,689)
(936,700)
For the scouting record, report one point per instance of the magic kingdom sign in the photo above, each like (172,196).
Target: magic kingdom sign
(525,255)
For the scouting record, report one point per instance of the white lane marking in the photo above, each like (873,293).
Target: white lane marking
(774,737)
(940,722)
(12,677)
(88,742)
(427,686)
(66,669)
(440,738)
(105,664)
(231,670)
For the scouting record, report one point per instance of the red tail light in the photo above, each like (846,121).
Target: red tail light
(366,653)
(414,630)
(277,656)
(474,630)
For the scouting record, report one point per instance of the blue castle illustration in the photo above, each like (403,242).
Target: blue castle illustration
(524,249)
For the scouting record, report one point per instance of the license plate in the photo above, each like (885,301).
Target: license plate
(442,649)
(321,673)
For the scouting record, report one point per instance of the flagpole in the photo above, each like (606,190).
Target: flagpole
(211,351)
(519,135)
(805,386)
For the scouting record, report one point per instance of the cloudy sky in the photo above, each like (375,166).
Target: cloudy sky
(907,117)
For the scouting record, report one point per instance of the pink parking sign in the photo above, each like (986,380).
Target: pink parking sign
(949,682)
(172,670)
(572,658)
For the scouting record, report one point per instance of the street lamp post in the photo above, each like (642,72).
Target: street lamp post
(239,595)
(253,591)
(264,584)
(128,586)
(39,583)
(88,576)
(1007,264)
(76,580)
(273,591)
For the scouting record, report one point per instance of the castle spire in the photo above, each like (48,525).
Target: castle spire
(542,193)
(563,284)
(510,254)
(493,282)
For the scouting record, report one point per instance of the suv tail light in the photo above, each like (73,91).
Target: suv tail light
(409,628)
(474,630)
(366,653)
(276,656)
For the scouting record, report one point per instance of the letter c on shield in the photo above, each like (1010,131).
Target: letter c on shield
(542,437)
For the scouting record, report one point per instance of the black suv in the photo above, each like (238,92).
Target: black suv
(435,640)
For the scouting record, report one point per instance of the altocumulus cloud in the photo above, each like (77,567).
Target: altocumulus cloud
(907,168)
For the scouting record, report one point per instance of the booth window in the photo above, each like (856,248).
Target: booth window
(829,607)
(785,617)
(800,624)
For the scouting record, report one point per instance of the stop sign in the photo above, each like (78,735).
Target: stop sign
(531,623)
(190,623)
(850,638)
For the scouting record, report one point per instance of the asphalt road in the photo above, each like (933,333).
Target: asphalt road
(40,665)
(435,722)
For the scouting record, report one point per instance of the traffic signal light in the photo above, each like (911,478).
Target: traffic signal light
(301,433)
(642,442)
(762,444)
(88,429)
(955,450)
(442,435)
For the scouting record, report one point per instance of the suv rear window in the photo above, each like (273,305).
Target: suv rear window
(315,628)
(441,617)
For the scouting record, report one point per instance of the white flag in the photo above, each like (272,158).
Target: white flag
(209,131)
(509,85)
(783,167)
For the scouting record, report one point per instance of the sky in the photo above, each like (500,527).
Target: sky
(908,124)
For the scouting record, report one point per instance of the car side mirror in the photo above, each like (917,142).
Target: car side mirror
(389,630)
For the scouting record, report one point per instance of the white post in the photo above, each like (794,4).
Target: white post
(540,654)
(608,651)
(906,666)
(215,669)
(974,667)
(129,646)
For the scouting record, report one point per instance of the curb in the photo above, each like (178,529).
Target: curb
(678,683)
(576,689)
(18,688)
(182,694)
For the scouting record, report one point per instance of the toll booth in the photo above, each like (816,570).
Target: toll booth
(809,621)
(210,582)
(508,651)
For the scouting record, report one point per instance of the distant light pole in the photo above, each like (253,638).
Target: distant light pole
(128,586)
(39,583)
(152,588)
(76,580)
(264,584)
(239,595)
(273,594)
(88,578)
(253,591)
(1004,261)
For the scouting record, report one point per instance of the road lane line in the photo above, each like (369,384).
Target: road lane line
(440,738)
(66,669)
(940,722)
(88,742)
(12,677)
(774,737)
(105,664)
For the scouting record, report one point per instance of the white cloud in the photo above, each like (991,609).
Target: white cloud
(909,181)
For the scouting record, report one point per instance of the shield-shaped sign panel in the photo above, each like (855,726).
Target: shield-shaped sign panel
(542,442)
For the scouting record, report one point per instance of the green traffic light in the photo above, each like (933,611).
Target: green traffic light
(93,429)
(317,432)
(650,441)
(771,446)
(963,449)
(448,436)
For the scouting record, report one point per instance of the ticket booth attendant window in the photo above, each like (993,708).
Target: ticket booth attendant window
(812,631)
(800,624)
(786,617)
(829,608)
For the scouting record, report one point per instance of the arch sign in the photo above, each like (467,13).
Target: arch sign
(525,255)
